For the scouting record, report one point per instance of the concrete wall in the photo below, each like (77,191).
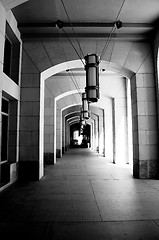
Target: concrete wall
(10,90)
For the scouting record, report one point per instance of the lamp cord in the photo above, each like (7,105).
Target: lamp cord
(111,33)
(75,83)
(73,46)
(74,34)
(73,79)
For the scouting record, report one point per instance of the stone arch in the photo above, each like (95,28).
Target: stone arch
(108,66)
(63,95)
(72,110)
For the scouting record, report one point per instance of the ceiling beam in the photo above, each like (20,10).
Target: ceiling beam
(83,24)
(119,36)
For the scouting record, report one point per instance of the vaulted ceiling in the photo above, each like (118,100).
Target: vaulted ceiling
(89,18)
(88,24)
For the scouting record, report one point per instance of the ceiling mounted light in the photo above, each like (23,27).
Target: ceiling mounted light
(92,77)
(59,24)
(118,24)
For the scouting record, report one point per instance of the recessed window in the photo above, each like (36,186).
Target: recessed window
(11,55)
(7,57)
(5,106)
(5,129)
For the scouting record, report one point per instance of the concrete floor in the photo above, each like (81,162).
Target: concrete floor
(82,197)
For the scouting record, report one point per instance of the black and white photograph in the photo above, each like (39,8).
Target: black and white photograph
(79,122)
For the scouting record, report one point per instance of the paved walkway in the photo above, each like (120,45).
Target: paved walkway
(82,197)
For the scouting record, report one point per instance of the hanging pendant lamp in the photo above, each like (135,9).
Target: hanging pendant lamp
(85,107)
(82,120)
(92,77)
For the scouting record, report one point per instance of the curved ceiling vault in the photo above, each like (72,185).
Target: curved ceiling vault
(63,89)
(10,4)
(52,54)
(48,47)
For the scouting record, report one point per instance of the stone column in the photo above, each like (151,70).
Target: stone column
(67,136)
(92,134)
(63,134)
(129,123)
(49,128)
(101,132)
(58,133)
(109,128)
(114,130)
(96,132)
(99,113)
(120,133)
(145,128)
(30,167)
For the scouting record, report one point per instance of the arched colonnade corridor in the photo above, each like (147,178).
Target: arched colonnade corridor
(109,188)
(41,92)
(118,106)
(111,116)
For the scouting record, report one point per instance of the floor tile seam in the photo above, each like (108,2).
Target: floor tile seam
(157,224)
(77,221)
(96,200)
(58,202)
(107,221)
(151,186)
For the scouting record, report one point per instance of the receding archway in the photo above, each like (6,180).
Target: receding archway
(62,67)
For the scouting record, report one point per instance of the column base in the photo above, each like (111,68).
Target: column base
(48,158)
(145,169)
(28,171)
(67,148)
(58,153)
(63,150)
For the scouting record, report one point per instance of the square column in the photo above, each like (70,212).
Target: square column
(63,134)
(58,133)
(30,162)
(145,128)
(120,143)
(96,127)
(100,114)
(49,127)
(67,136)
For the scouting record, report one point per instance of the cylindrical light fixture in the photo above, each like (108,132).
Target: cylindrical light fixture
(81,131)
(82,120)
(92,77)
(85,107)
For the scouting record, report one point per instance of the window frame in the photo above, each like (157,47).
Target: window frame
(5,114)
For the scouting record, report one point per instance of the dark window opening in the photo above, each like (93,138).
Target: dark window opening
(5,130)
(5,106)
(11,55)
(4,145)
(7,57)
